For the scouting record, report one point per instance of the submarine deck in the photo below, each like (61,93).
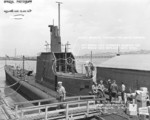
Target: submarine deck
(31,81)
(74,75)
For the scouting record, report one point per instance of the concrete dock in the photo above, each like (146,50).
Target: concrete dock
(6,112)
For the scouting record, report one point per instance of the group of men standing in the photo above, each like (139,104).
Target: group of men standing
(112,89)
(97,89)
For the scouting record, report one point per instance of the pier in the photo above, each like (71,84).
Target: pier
(74,108)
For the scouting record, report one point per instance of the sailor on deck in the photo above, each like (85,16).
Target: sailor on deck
(89,68)
(114,90)
(61,92)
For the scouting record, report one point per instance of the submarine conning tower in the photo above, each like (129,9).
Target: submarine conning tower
(55,39)
(57,66)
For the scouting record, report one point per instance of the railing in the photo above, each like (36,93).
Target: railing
(66,110)
(38,103)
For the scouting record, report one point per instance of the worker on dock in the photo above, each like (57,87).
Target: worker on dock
(61,92)
(94,88)
(101,89)
(114,90)
(109,89)
(123,88)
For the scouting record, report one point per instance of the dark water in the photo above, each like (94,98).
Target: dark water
(13,96)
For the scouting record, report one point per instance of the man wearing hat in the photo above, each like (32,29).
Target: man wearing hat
(101,89)
(114,90)
(94,88)
(109,89)
(61,92)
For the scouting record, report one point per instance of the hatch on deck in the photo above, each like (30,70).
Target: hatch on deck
(65,62)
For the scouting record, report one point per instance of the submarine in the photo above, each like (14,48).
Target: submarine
(51,67)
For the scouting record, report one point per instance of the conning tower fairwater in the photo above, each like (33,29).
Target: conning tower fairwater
(57,66)
(55,39)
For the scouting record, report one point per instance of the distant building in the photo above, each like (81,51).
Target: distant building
(133,70)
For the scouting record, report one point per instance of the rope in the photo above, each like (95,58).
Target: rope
(8,86)
(13,92)
(11,85)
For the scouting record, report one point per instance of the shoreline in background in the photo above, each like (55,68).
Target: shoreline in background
(94,55)
(34,59)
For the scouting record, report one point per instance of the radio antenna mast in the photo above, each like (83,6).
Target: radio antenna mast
(59,16)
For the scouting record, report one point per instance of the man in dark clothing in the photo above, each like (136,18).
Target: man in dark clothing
(94,88)
(109,89)
(114,90)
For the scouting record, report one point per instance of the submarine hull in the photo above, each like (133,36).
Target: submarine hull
(24,88)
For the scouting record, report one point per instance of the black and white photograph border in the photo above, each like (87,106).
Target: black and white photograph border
(74,59)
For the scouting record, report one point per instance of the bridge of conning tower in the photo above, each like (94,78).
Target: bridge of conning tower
(65,62)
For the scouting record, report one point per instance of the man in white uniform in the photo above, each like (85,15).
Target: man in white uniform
(61,92)
(123,88)
(87,68)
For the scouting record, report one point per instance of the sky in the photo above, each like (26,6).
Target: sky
(88,25)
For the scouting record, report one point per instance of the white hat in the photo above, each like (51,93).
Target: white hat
(59,82)
(87,62)
(109,80)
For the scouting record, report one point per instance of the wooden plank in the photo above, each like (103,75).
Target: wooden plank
(3,116)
